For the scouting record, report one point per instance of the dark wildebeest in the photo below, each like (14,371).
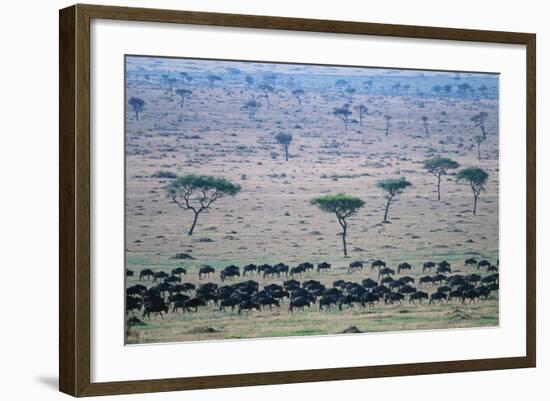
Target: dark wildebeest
(428,266)
(492,269)
(159,275)
(357,265)
(172,279)
(231,302)
(427,280)
(403,266)
(387,280)
(386,271)
(328,301)
(473,278)
(323,266)
(299,303)
(178,271)
(296,270)
(470,263)
(129,273)
(146,274)
(137,289)
(132,303)
(291,284)
(194,303)
(377,264)
(369,283)
(248,305)
(437,296)
(418,296)
(306,266)
(483,292)
(188,287)
(454,294)
(492,278)
(407,289)
(281,268)
(269,271)
(251,269)
(155,305)
(206,271)
(230,272)
(369,298)
(392,297)
(406,280)
(483,263)
(471,295)
(347,300)
(444,267)
(268,301)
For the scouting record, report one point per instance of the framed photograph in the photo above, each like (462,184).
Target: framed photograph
(250,200)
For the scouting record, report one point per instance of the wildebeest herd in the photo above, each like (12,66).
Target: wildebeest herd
(167,292)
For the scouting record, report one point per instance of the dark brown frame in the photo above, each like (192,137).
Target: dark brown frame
(74,199)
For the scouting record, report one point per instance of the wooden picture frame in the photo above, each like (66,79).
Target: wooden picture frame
(74,200)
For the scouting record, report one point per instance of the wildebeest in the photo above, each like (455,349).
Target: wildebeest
(146,274)
(251,268)
(248,305)
(306,266)
(369,298)
(377,264)
(418,296)
(483,263)
(328,301)
(392,297)
(444,267)
(172,279)
(437,296)
(159,275)
(231,272)
(281,269)
(492,269)
(129,273)
(268,301)
(427,280)
(137,289)
(291,284)
(472,278)
(386,271)
(471,295)
(299,303)
(428,266)
(492,278)
(155,305)
(369,283)
(297,270)
(470,262)
(228,302)
(206,271)
(403,266)
(357,265)
(132,303)
(194,303)
(323,266)
(178,271)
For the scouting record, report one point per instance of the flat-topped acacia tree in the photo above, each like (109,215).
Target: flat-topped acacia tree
(343,206)
(199,192)
(477,178)
(425,123)
(393,187)
(362,110)
(479,121)
(212,79)
(439,166)
(266,89)
(138,104)
(343,113)
(298,93)
(284,139)
(183,94)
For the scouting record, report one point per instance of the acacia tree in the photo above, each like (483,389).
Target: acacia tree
(393,187)
(388,124)
(252,106)
(477,178)
(343,206)
(479,121)
(199,192)
(138,104)
(183,93)
(212,79)
(439,166)
(249,81)
(362,110)
(425,122)
(298,93)
(343,113)
(284,139)
(171,81)
(266,89)
(478,139)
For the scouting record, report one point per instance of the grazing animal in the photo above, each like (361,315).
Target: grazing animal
(370,299)
(444,267)
(172,279)
(206,271)
(470,263)
(291,284)
(230,272)
(323,266)
(137,289)
(268,301)
(129,273)
(407,289)
(353,266)
(472,278)
(426,280)
(377,264)
(248,306)
(146,274)
(306,266)
(299,303)
(178,271)
(438,296)
(403,266)
(194,304)
(386,271)
(483,263)
(297,270)
(392,297)
(493,278)
(369,283)
(132,303)
(418,296)
(471,295)
(250,269)
(155,305)
(492,269)
(159,275)
(428,266)
(328,301)
(228,302)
